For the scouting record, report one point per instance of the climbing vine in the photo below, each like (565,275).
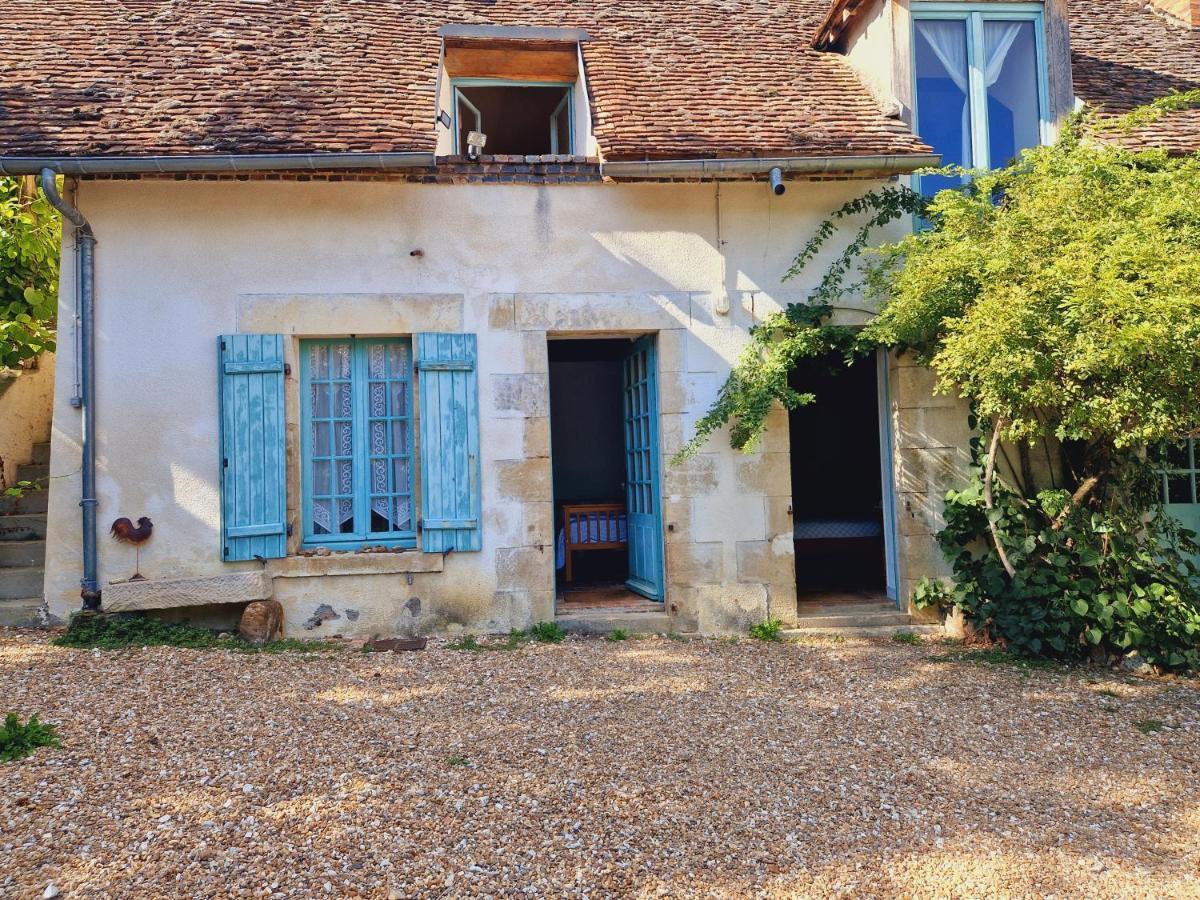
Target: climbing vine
(1059,297)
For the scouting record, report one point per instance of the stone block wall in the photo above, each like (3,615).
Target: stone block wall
(931,445)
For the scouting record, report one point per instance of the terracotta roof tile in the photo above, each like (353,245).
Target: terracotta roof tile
(669,78)
(1125,54)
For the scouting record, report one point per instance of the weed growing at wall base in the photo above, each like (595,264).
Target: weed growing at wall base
(768,630)
(91,631)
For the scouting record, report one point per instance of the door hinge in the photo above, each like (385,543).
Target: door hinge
(222,345)
(224,462)
(289,529)
(287,370)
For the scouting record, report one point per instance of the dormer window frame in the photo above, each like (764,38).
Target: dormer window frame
(974,15)
(568,87)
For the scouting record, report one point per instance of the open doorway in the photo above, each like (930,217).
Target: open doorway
(603,436)
(839,500)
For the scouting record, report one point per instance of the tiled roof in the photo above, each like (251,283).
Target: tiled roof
(669,78)
(1124,54)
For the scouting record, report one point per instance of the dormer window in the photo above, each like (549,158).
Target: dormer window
(516,117)
(980,83)
(512,91)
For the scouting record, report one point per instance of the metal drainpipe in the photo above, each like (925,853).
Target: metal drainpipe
(85,242)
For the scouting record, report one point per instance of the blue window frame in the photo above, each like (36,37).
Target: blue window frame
(494,106)
(357,456)
(980,92)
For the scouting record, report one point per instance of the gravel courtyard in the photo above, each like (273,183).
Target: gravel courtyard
(641,768)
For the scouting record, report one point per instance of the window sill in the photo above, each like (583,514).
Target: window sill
(398,563)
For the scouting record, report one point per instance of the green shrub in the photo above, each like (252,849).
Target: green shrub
(19,740)
(92,631)
(617,634)
(547,633)
(767,630)
(906,637)
(1114,579)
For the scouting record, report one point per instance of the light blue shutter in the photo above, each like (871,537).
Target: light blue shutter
(253,468)
(449,452)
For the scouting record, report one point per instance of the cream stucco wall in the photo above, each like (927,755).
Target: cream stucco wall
(179,263)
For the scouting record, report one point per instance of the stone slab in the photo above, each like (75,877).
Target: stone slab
(243,587)
(408,561)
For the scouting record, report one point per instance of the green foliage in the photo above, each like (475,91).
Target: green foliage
(617,634)
(29,245)
(457,760)
(120,631)
(907,637)
(515,639)
(1060,297)
(547,633)
(1149,726)
(18,740)
(1117,578)
(767,630)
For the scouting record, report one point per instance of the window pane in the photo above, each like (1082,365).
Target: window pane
(322,478)
(1179,489)
(322,518)
(943,95)
(1011,76)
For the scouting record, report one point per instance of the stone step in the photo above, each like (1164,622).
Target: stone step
(31,503)
(22,553)
(41,454)
(23,581)
(33,471)
(854,620)
(20,612)
(23,527)
(604,621)
(875,631)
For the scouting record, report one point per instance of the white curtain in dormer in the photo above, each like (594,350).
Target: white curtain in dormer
(1010,75)
(948,41)
(998,39)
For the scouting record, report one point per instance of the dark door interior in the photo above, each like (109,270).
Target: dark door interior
(588,445)
(837,496)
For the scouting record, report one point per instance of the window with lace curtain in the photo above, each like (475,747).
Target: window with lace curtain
(979,83)
(356,420)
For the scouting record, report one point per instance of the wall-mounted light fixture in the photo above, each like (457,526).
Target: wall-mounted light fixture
(475,143)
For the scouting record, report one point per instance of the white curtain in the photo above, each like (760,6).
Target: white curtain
(998,38)
(948,40)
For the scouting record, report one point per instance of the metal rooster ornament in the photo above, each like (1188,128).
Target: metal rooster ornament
(126,532)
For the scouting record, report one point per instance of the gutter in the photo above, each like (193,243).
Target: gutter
(85,251)
(214,163)
(895,164)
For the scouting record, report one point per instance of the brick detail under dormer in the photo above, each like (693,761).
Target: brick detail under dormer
(1185,11)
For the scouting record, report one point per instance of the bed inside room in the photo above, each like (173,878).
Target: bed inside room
(837,491)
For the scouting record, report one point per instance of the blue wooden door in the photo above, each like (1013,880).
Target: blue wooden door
(643,497)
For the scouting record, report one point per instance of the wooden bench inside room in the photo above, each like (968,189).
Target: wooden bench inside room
(592,526)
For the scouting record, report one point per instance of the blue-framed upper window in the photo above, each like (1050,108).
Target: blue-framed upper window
(980,89)
(357,456)
(518,117)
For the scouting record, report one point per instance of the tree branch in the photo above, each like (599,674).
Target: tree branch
(1081,492)
(989,472)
